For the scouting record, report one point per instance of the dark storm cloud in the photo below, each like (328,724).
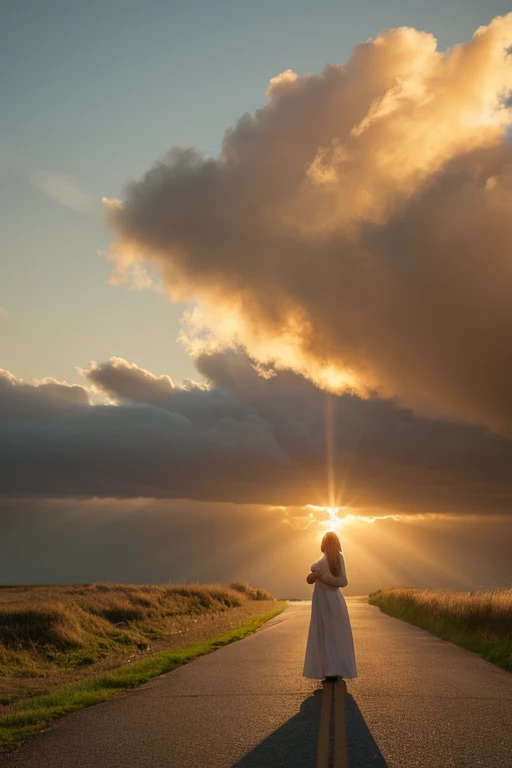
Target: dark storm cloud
(21,400)
(356,230)
(242,438)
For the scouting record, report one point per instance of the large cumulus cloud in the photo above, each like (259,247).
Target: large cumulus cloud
(242,437)
(356,230)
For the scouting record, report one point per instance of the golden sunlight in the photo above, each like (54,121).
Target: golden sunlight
(333,518)
(329,518)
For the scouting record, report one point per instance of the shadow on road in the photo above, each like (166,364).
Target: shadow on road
(362,751)
(295,743)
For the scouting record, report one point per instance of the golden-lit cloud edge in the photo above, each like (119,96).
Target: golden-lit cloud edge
(354,230)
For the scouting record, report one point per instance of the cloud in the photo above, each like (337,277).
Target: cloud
(53,442)
(242,438)
(22,400)
(356,230)
(61,188)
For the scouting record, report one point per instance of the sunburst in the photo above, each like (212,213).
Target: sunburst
(329,518)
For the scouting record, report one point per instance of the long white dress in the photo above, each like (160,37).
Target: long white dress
(330,646)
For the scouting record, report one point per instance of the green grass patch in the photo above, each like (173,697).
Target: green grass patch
(30,715)
(479,621)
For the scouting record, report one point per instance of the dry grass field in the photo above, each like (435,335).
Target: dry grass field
(54,634)
(480,621)
(66,647)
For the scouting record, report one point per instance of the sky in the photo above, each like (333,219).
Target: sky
(293,313)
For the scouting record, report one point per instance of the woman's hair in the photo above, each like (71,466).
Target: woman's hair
(331,546)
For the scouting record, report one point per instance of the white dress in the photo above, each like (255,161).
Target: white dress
(330,647)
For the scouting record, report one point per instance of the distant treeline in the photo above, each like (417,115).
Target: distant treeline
(480,621)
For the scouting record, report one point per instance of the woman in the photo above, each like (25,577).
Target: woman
(330,648)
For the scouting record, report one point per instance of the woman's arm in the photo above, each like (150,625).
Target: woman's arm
(336,581)
(333,581)
(315,572)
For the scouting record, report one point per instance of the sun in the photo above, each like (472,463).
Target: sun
(329,518)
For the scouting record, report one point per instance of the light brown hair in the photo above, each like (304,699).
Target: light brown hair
(331,546)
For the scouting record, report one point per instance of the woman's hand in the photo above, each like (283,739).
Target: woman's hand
(312,577)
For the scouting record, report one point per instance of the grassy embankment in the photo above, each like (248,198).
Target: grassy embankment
(479,621)
(66,647)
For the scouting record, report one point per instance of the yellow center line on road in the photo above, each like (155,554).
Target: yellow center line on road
(322,755)
(340,735)
(339,689)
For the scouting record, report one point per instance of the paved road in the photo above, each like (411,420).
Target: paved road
(418,703)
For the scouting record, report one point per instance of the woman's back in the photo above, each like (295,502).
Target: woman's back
(333,582)
(330,647)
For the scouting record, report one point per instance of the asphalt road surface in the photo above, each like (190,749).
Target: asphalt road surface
(419,702)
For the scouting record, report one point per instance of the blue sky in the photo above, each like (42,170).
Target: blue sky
(96,92)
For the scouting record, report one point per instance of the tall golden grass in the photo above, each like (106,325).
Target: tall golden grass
(480,621)
(192,621)
(76,625)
